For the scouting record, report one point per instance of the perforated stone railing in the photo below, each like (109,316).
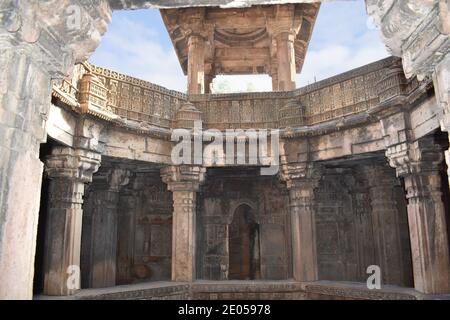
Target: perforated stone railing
(139,100)
(350,93)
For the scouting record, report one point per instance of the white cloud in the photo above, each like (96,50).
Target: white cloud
(135,49)
(337,58)
(341,42)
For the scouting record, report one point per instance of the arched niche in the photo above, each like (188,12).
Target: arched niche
(244,245)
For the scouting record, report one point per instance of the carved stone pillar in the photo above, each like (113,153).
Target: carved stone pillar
(386,223)
(419,163)
(301,180)
(363,223)
(38,44)
(286,60)
(184,182)
(24,102)
(196,64)
(100,228)
(68,171)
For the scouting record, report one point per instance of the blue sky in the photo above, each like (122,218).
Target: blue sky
(138,44)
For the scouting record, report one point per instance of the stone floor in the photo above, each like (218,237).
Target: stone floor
(248,290)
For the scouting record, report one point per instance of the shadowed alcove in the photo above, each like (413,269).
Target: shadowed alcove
(244,245)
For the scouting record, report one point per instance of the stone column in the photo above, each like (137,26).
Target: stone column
(184,182)
(24,102)
(37,45)
(386,223)
(420,166)
(301,181)
(196,64)
(100,228)
(286,60)
(68,169)
(363,223)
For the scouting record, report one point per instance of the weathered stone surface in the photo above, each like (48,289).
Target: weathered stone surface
(68,171)
(301,180)
(250,290)
(389,218)
(37,46)
(100,228)
(24,105)
(442,88)
(419,163)
(144,245)
(414,30)
(371,109)
(260,39)
(184,182)
(223,197)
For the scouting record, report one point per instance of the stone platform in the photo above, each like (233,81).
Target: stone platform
(248,290)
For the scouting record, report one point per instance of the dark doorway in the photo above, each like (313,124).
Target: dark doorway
(38,284)
(244,246)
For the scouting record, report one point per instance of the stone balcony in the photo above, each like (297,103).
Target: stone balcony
(126,100)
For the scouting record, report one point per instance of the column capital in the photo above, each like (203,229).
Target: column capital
(419,157)
(72,164)
(301,175)
(183,178)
